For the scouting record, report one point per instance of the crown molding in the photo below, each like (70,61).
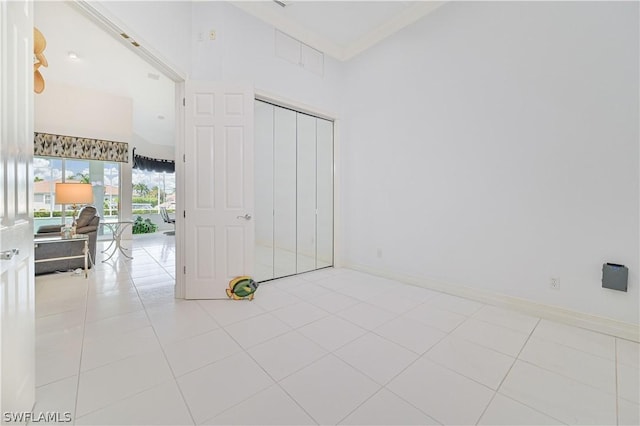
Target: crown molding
(265,12)
(395,24)
(100,16)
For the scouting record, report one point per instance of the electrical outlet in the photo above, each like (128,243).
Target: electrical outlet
(554,283)
(212,34)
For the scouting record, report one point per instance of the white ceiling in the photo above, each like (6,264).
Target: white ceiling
(105,64)
(339,29)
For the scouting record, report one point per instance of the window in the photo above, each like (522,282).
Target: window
(103,176)
(152,190)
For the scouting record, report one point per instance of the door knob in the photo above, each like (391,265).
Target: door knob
(245,217)
(8,255)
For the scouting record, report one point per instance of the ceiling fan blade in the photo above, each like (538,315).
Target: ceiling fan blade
(39,42)
(38,82)
(41,58)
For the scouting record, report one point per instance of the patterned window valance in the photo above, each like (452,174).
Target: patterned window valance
(152,164)
(48,145)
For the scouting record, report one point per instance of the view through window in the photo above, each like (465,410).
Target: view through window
(102,175)
(151,193)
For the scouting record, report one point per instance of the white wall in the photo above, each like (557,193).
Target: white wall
(495,145)
(75,111)
(152,150)
(163,27)
(244,50)
(490,145)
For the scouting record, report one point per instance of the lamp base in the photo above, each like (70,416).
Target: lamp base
(74,224)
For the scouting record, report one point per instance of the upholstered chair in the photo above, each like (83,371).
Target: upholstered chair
(87,223)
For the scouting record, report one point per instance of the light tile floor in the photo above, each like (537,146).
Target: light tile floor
(328,347)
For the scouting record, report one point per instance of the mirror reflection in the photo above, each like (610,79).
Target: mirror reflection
(324,190)
(284,213)
(263,116)
(306,194)
(294,192)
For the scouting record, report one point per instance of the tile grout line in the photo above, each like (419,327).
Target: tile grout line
(484,321)
(382,386)
(517,358)
(411,404)
(164,354)
(446,334)
(134,355)
(333,353)
(560,422)
(329,352)
(278,382)
(508,371)
(275,382)
(386,340)
(297,403)
(81,353)
(588,352)
(572,379)
(367,331)
(84,329)
(420,356)
(87,283)
(125,398)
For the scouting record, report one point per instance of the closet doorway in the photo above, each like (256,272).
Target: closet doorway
(294,192)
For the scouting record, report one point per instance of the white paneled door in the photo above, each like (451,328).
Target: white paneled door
(219,187)
(17,301)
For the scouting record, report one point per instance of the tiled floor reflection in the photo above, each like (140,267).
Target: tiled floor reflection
(333,346)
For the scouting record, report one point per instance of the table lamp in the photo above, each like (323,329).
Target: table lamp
(74,194)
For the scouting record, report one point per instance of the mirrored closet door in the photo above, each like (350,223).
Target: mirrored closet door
(294,192)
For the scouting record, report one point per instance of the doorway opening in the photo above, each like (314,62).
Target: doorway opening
(122,73)
(153,194)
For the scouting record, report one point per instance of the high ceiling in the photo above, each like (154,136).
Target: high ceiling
(104,64)
(339,29)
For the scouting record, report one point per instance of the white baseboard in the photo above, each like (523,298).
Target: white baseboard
(579,319)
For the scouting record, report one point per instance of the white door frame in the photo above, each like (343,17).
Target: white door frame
(17,281)
(110,23)
(219,227)
(106,20)
(180,202)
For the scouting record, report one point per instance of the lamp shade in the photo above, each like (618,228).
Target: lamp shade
(74,193)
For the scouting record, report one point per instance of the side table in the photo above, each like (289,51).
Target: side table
(116,228)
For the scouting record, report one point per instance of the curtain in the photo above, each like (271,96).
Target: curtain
(152,164)
(49,145)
